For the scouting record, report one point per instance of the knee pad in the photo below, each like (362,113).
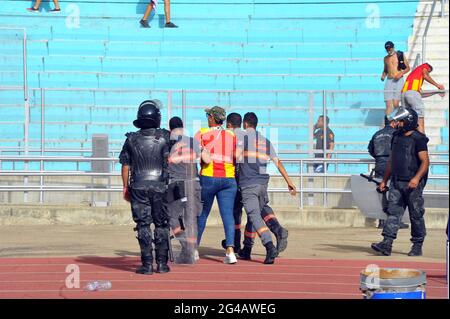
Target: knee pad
(144,234)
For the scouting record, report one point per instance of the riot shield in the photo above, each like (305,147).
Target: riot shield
(368,200)
(184,206)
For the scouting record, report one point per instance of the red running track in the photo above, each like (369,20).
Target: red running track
(208,279)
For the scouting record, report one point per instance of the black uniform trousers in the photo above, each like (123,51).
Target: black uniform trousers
(400,197)
(147,207)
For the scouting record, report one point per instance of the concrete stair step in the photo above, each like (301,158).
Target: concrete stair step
(433,54)
(432,44)
(424,7)
(420,22)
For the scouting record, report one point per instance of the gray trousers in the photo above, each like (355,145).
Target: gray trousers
(255,200)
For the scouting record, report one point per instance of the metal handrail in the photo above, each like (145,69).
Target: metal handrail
(117,174)
(194,90)
(109,188)
(65,188)
(115,159)
(416,61)
(443,3)
(425,33)
(287,152)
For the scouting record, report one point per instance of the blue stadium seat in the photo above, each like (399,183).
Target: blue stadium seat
(260,45)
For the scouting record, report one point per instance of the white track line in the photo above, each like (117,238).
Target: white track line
(186,291)
(207,281)
(209,265)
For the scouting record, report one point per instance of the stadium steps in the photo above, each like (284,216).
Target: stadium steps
(437,54)
(261,45)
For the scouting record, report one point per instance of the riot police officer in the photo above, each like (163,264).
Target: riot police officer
(380,149)
(144,175)
(408,169)
(380,146)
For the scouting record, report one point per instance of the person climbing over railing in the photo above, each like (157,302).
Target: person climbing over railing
(412,91)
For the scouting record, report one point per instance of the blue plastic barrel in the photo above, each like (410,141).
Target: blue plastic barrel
(392,283)
(399,295)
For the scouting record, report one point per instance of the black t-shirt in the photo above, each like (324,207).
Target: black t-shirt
(421,144)
(182,159)
(319,137)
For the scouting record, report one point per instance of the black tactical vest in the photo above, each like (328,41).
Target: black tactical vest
(148,151)
(405,160)
(382,142)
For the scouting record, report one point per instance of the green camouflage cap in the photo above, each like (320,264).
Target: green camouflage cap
(217,112)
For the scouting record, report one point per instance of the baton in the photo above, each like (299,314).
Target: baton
(170,247)
(370,179)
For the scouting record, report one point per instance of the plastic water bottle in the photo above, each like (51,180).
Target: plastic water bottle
(98,285)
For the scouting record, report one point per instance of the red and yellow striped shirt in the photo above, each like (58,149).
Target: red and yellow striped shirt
(221,144)
(414,80)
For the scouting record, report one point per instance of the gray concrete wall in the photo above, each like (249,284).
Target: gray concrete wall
(120,215)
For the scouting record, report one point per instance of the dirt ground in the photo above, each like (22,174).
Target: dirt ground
(323,243)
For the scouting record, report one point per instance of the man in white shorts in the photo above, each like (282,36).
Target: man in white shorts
(395,66)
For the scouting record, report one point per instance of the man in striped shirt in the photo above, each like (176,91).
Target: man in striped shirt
(217,177)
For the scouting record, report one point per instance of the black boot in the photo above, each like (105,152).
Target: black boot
(384,247)
(281,235)
(161,262)
(416,250)
(381,224)
(147,262)
(145,243)
(145,269)
(245,253)
(162,268)
(271,253)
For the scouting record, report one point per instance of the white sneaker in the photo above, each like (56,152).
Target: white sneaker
(230,259)
(196,256)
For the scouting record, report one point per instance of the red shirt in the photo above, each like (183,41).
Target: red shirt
(414,80)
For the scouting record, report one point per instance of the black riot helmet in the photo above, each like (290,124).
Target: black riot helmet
(149,114)
(408,116)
